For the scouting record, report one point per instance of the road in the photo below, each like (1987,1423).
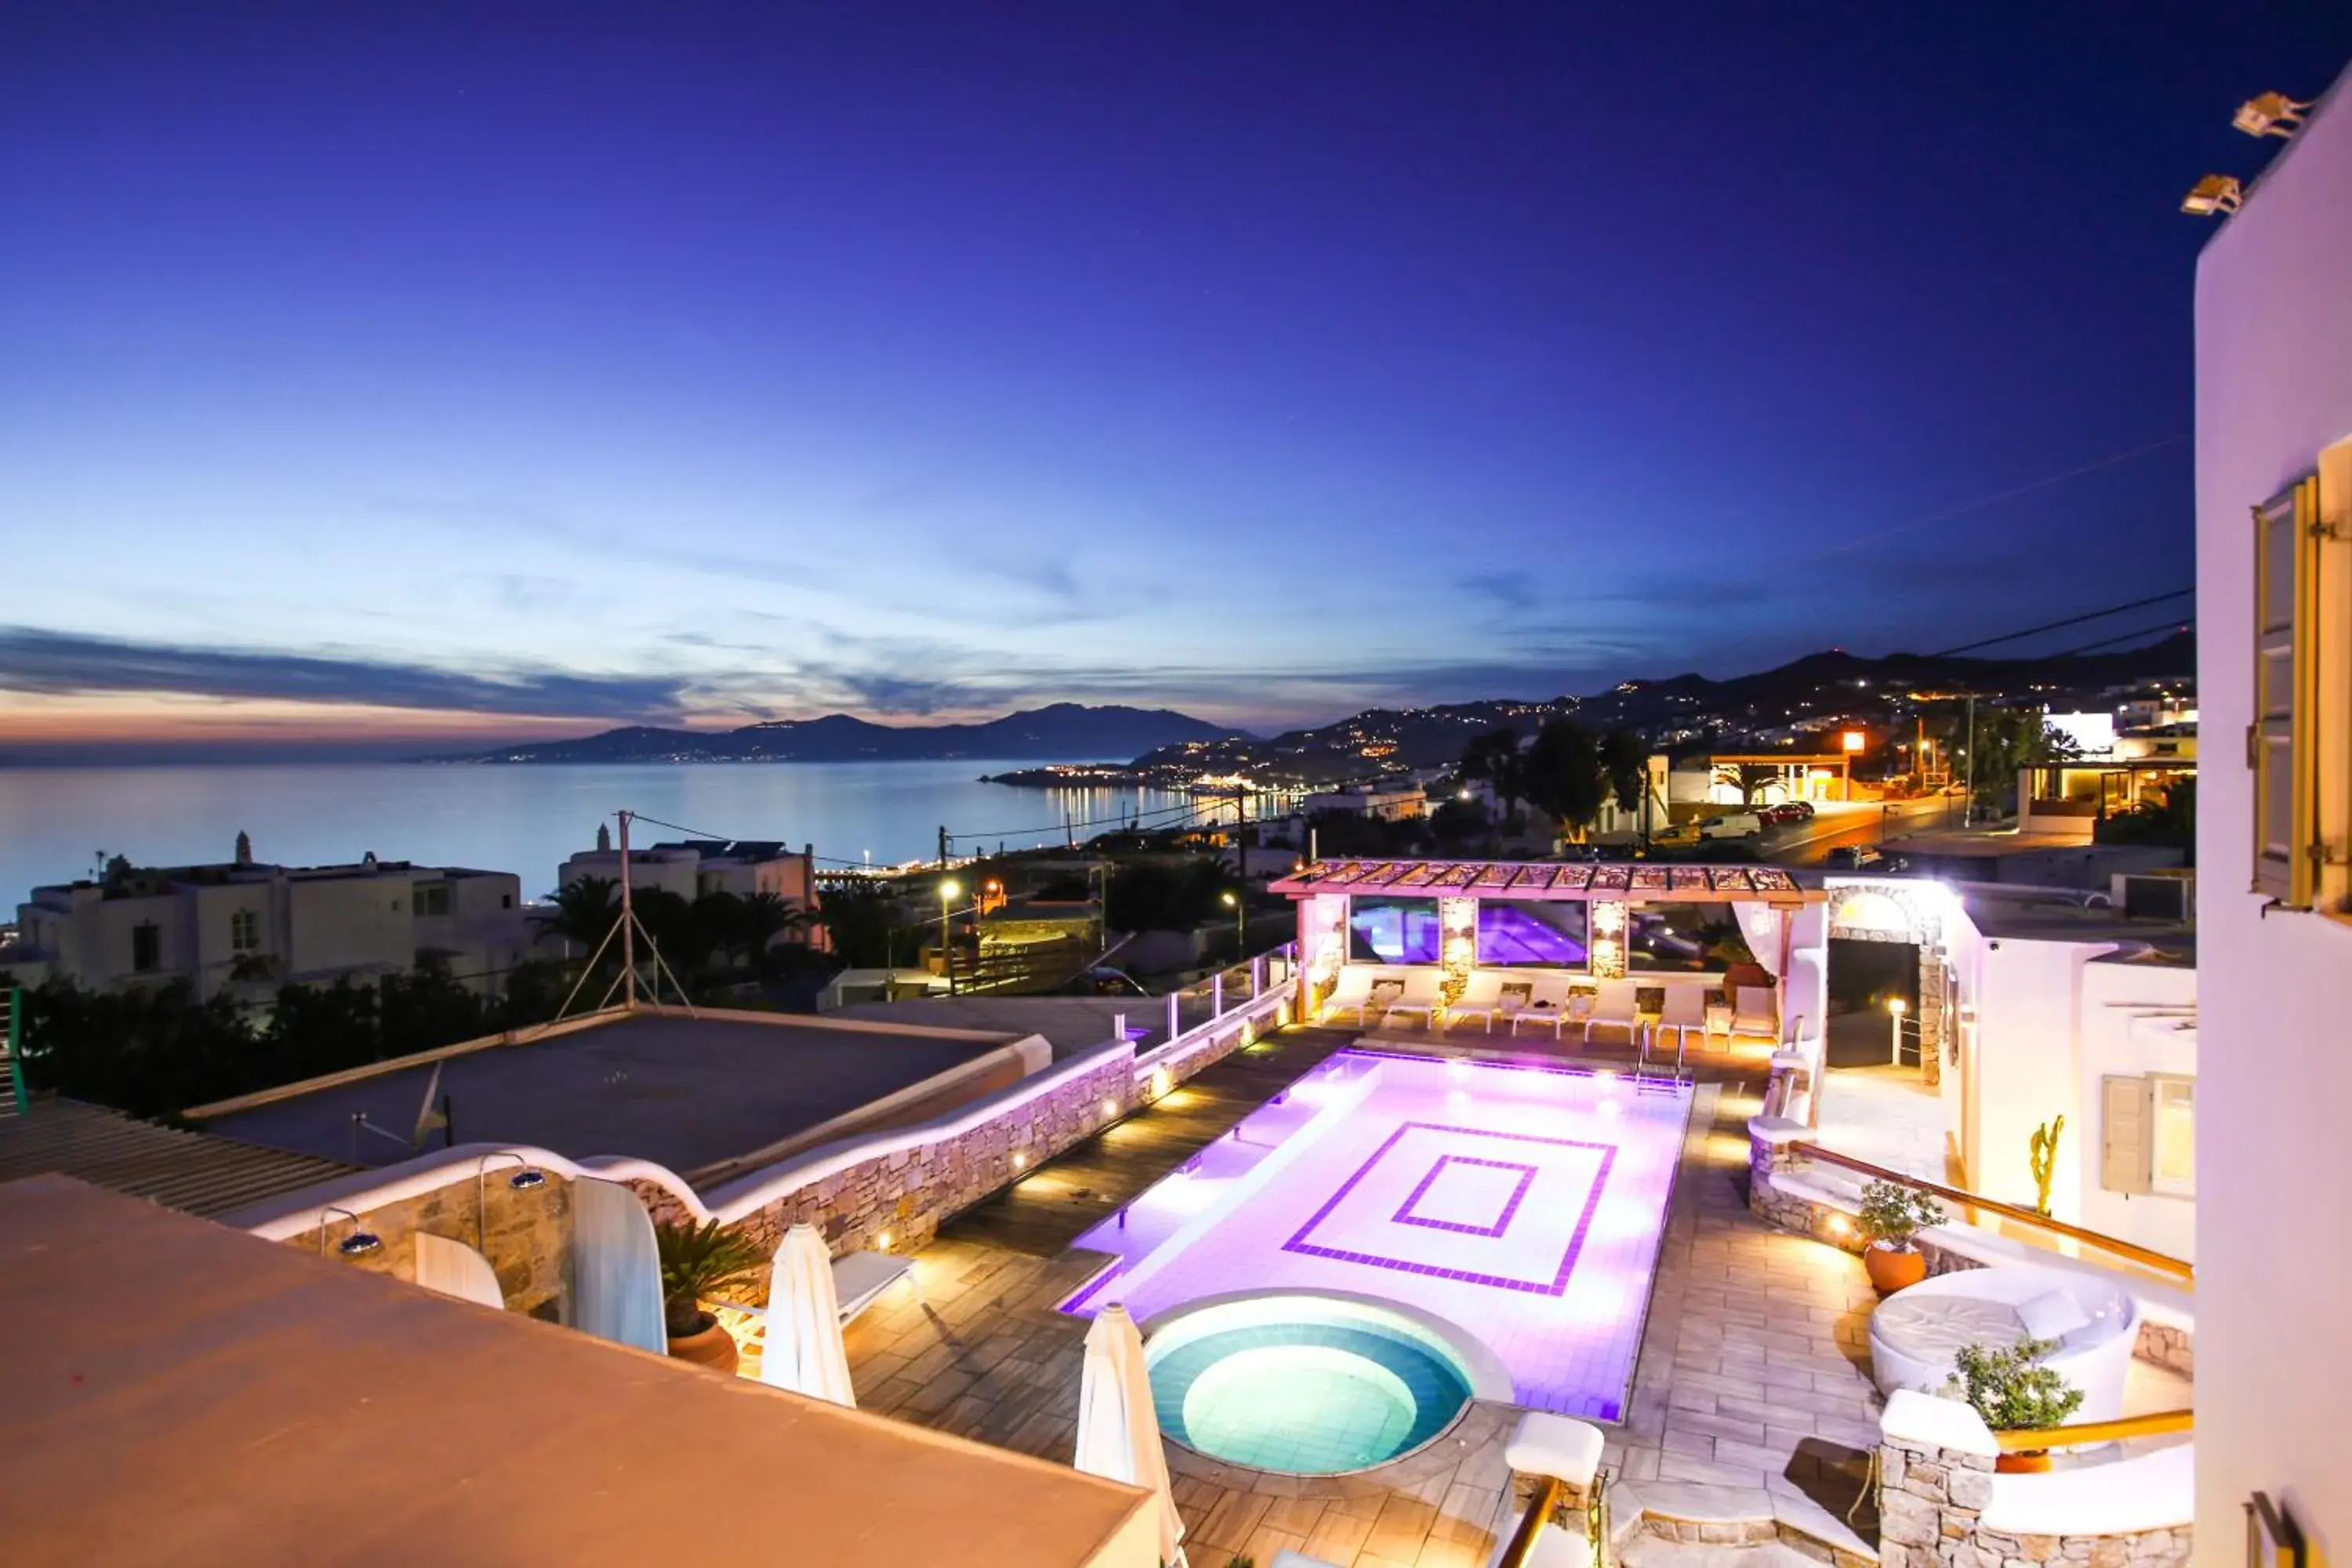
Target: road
(1809,843)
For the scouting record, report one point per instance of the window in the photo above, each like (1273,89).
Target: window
(1552,935)
(1392,931)
(1677,938)
(2174,1166)
(146,947)
(2280,746)
(243,930)
(432,898)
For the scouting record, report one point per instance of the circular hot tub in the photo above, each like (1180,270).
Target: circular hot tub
(1304,1385)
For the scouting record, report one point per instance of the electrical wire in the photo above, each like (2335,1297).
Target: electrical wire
(1949,513)
(2122,636)
(2069,621)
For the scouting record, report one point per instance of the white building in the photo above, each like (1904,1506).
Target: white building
(2274,343)
(262,926)
(1389,803)
(2034,1005)
(698,867)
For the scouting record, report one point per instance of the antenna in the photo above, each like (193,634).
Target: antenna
(428,1119)
(628,923)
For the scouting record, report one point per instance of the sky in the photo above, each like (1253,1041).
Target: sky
(370,375)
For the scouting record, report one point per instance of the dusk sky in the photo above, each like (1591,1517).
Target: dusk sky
(382,372)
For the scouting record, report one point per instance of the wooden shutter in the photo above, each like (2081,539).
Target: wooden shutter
(2279,742)
(2126,1124)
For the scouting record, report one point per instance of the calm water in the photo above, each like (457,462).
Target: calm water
(53,821)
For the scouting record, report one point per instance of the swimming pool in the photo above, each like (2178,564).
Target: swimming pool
(1518,1206)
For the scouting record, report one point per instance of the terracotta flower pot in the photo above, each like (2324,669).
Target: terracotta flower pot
(2025,1462)
(1891,1268)
(710,1345)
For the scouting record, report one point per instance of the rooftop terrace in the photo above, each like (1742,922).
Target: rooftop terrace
(701,1095)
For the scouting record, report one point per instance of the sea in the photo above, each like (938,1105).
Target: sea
(60,823)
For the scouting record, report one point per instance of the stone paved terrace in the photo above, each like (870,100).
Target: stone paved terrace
(1753,1372)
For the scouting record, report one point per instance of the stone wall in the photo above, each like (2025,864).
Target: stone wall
(525,1235)
(1931,1500)
(905,1196)
(1775,1145)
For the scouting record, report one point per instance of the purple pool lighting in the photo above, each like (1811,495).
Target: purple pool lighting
(1520,1207)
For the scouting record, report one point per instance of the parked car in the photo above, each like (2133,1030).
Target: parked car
(1732,824)
(1863,857)
(1781,816)
(1803,808)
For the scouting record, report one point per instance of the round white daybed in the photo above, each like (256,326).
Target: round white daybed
(1916,1333)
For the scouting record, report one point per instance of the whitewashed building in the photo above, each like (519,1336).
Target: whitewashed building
(241,922)
(2273,430)
(698,867)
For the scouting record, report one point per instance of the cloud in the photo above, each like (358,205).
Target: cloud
(63,664)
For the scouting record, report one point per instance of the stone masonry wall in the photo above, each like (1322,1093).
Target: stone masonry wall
(906,1195)
(2172,1348)
(1930,1502)
(525,1235)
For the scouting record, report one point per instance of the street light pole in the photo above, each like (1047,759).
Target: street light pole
(947,946)
(1969,798)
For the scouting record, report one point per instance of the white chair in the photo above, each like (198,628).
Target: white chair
(1617,1008)
(1754,1015)
(1353,994)
(1482,1000)
(1420,999)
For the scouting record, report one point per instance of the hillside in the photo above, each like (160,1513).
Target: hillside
(1065,731)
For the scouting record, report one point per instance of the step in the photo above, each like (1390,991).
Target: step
(1691,1513)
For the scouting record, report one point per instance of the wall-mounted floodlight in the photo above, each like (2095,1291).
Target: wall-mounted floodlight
(357,1242)
(2270,115)
(2213,193)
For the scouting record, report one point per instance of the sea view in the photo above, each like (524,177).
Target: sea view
(54,821)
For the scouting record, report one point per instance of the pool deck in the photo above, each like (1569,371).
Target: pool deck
(1753,1371)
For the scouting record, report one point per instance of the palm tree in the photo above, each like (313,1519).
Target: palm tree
(584,911)
(763,918)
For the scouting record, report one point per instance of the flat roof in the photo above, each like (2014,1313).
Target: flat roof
(1529,880)
(690,1093)
(193,1171)
(200,1395)
(1069,1024)
(2028,917)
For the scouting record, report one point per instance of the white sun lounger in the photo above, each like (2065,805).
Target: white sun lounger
(860,1279)
(1422,997)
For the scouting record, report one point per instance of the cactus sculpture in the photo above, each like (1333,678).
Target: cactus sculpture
(2044,1155)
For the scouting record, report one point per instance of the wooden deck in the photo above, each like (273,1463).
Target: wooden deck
(1086,1183)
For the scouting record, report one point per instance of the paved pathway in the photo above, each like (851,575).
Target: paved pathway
(1753,1372)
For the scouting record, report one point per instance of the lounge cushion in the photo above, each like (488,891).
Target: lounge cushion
(2053,1315)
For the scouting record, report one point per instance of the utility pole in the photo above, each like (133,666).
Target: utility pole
(1969,799)
(947,948)
(628,924)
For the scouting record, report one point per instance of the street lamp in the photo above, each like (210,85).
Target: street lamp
(947,890)
(1240,925)
(1896,1008)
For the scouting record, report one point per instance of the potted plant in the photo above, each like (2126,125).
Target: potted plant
(1892,1213)
(697,1261)
(2015,1392)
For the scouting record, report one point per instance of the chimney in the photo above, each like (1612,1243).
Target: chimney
(244,848)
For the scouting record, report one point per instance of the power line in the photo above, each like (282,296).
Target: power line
(1949,513)
(2125,636)
(2069,621)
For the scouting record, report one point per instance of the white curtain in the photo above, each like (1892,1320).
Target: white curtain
(1762,924)
(456,1269)
(614,1270)
(803,1351)
(1118,1430)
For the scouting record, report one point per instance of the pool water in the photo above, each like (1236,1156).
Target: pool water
(1306,1397)
(1517,1207)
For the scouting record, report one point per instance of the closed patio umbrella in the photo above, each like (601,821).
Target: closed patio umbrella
(803,1351)
(1118,1432)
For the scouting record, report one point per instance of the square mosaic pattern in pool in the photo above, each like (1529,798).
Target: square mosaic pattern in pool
(1414,1196)
(1411,1213)
(1540,1255)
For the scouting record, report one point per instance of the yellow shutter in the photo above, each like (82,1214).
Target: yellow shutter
(2279,742)
(2125,1144)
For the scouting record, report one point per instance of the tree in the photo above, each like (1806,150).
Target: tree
(763,918)
(2006,740)
(1495,757)
(1625,764)
(1562,775)
(864,922)
(2170,818)
(584,911)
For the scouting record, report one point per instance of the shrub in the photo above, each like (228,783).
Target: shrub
(1892,1213)
(2012,1389)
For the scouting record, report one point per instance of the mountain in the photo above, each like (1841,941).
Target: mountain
(1065,731)
(1682,710)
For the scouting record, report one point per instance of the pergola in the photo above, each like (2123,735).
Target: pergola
(1784,921)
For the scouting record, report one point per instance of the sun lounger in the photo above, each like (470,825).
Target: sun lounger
(1553,1001)
(1480,1000)
(1420,999)
(1753,1014)
(1352,997)
(860,1279)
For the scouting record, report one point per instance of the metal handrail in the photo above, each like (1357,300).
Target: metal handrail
(2161,1263)
(2034,1440)
(1532,1523)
